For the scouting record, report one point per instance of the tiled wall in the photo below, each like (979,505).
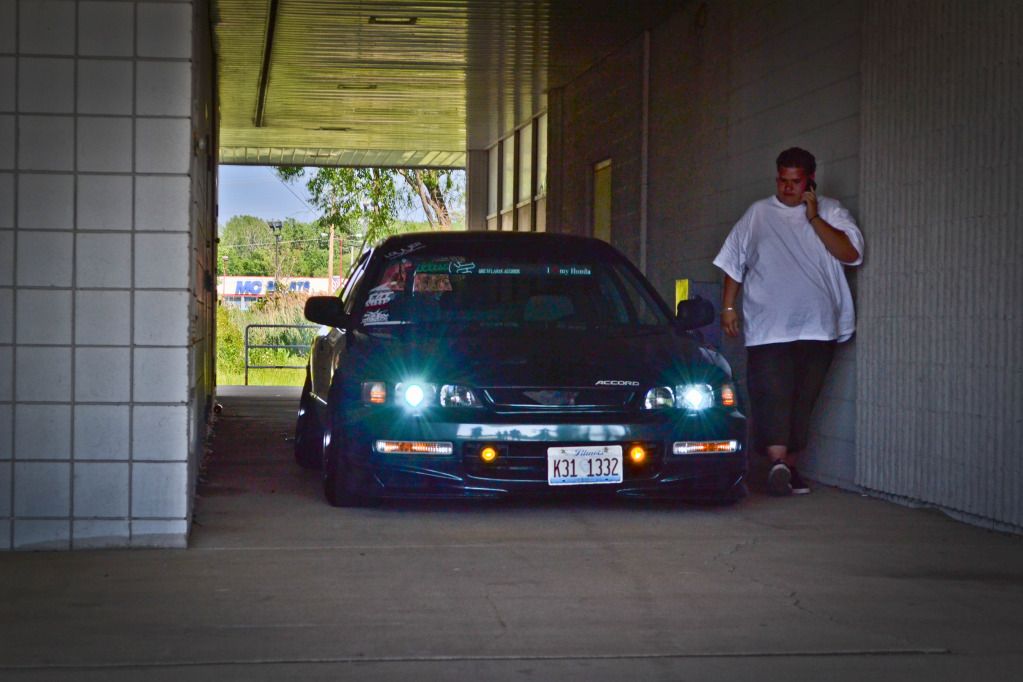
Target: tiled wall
(96,262)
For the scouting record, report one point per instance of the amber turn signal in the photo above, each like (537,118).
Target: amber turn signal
(637,454)
(488,454)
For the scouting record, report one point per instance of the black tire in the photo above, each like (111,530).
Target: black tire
(335,479)
(308,431)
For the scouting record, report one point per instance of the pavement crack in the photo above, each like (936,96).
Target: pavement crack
(497,615)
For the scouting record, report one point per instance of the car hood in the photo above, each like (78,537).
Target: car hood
(557,359)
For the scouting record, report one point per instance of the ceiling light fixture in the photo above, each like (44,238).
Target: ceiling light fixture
(393,21)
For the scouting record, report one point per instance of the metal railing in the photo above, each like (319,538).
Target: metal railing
(303,347)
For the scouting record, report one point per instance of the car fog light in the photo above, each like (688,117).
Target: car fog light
(701,447)
(414,447)
(488,454)
(637,454)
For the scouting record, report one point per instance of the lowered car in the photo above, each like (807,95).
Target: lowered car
(484,364)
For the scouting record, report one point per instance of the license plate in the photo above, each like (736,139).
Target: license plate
(584,465)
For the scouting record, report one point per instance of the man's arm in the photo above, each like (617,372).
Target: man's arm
(729,315)
(835,241)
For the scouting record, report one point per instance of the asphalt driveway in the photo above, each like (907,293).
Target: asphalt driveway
(276,584)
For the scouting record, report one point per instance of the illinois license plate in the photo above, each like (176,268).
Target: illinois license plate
(584,465)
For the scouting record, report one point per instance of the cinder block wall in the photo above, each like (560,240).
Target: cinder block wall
(99,261)
(941,376)
(731,84)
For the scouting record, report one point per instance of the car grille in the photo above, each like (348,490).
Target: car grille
(528,461)
(558,398)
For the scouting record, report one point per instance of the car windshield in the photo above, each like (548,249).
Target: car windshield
(455,293)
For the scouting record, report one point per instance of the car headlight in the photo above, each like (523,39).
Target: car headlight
(453,395)
(694,397)
(659,397)
(415,394)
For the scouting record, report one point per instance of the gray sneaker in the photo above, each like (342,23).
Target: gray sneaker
(798,485)
(778,480)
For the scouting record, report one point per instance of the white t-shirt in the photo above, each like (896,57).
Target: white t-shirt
(793,289)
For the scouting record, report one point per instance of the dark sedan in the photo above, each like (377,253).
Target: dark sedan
(481,364)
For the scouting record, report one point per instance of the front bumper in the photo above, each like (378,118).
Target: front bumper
(522,442)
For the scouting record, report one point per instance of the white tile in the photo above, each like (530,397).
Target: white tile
(6,432)
(46,85)
(163,89)
(7,80)
(6,258)
(8,25)
(160,433)
(44,316)
(44,259)
(101,432)
(159,490)
(159,533)
(165,30)
(46,143)
(46,201)
(101,489)
(161,375)
(44,374)
(6,372)
(104,145)
(106,29)
(161,318)
(6,316)
(161,203)
(41,535)
(162,261)
(6,201)
(6,471)
(163,145)
(104,202)
(94,534)
(6,142)
(104,86)
(103,260)
(42,489)
(47,27)
(102,375)
(103,317)
(42,432)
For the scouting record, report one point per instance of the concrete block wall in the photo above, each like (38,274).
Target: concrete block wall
(940,384)
(97,273)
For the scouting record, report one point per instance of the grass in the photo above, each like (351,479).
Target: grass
(262,377)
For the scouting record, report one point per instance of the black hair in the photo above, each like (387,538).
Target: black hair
(794,157)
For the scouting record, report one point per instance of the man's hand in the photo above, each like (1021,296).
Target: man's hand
(810,199)
(730,322)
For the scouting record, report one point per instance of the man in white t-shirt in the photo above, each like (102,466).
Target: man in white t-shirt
(787,254)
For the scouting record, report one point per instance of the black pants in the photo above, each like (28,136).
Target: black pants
(784,382)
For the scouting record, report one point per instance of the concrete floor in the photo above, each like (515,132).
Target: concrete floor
(276,584)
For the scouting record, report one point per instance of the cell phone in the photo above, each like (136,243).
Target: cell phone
(811,186)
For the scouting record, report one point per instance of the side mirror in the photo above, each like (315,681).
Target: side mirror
(694,313)
(326,310)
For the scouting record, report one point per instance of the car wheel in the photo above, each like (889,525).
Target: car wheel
(335,478)
(308,431)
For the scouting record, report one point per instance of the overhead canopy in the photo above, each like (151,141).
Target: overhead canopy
(397,84)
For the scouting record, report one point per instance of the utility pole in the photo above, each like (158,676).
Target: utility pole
(275,227)
(330,261)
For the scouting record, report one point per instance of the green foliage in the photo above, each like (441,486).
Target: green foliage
(283,309)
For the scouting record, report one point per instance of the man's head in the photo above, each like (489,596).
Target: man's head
(796,169)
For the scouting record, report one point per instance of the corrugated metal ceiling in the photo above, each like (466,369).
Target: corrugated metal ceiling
(375,83)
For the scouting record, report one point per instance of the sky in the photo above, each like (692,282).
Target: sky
(256,191)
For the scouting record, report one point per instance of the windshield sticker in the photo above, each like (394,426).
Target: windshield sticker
(379,297)
(500,271)
(569,270)
(411,248)
(376,317)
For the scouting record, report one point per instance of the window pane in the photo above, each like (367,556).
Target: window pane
(508,173)
(541,156)
(602,200)
(526,163)
(493,178)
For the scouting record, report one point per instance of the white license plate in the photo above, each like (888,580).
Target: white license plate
(584,465)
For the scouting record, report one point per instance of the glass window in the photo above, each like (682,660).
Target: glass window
(602,200)
(508,173)
(541,156)
(493,178)
(525,136)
